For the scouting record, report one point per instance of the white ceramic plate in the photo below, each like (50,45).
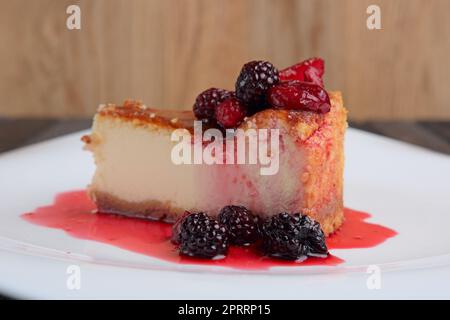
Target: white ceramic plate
(405,188)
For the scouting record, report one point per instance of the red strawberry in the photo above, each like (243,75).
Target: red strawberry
(310,70)
(299,96)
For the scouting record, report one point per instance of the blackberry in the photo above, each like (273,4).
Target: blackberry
(242,225)
(207,101)
(198,235)
(176,228)
(255,79)
(293,236)
(230,113)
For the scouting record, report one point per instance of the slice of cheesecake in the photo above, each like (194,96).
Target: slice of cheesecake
(136,176)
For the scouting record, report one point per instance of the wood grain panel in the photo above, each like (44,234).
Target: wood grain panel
(165,52)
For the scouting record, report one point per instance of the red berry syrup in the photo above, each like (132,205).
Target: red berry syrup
(73,212)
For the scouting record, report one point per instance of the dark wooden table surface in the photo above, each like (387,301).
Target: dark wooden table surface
(15,133)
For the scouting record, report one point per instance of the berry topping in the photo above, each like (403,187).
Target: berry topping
(207,101)
(310,70)
(230,113)
(255,79)
(300,96)
(293,237)
(241,224)
(198,235)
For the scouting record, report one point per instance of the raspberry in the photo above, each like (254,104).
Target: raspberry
(255,79)
(310,70)
(207,101)
(230,113)
(293,237)
(299,95)
(241,224)
(200,236)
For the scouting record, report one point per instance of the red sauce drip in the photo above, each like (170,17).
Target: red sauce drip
(73,212)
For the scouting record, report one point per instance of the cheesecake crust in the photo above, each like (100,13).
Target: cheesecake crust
(151,209)
(330,216)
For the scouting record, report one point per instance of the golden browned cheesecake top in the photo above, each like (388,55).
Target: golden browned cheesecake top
(133,110)
(304,123)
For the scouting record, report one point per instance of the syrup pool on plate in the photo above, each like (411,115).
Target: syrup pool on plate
(73,212)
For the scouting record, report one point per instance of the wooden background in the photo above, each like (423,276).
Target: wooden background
(165,52)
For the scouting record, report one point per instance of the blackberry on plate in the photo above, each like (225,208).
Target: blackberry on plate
(198,235)
(242,225)
(255,79)
(207,101)
(176,228)
(293,237)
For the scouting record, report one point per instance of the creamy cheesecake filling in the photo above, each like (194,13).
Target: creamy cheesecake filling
(134,164)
